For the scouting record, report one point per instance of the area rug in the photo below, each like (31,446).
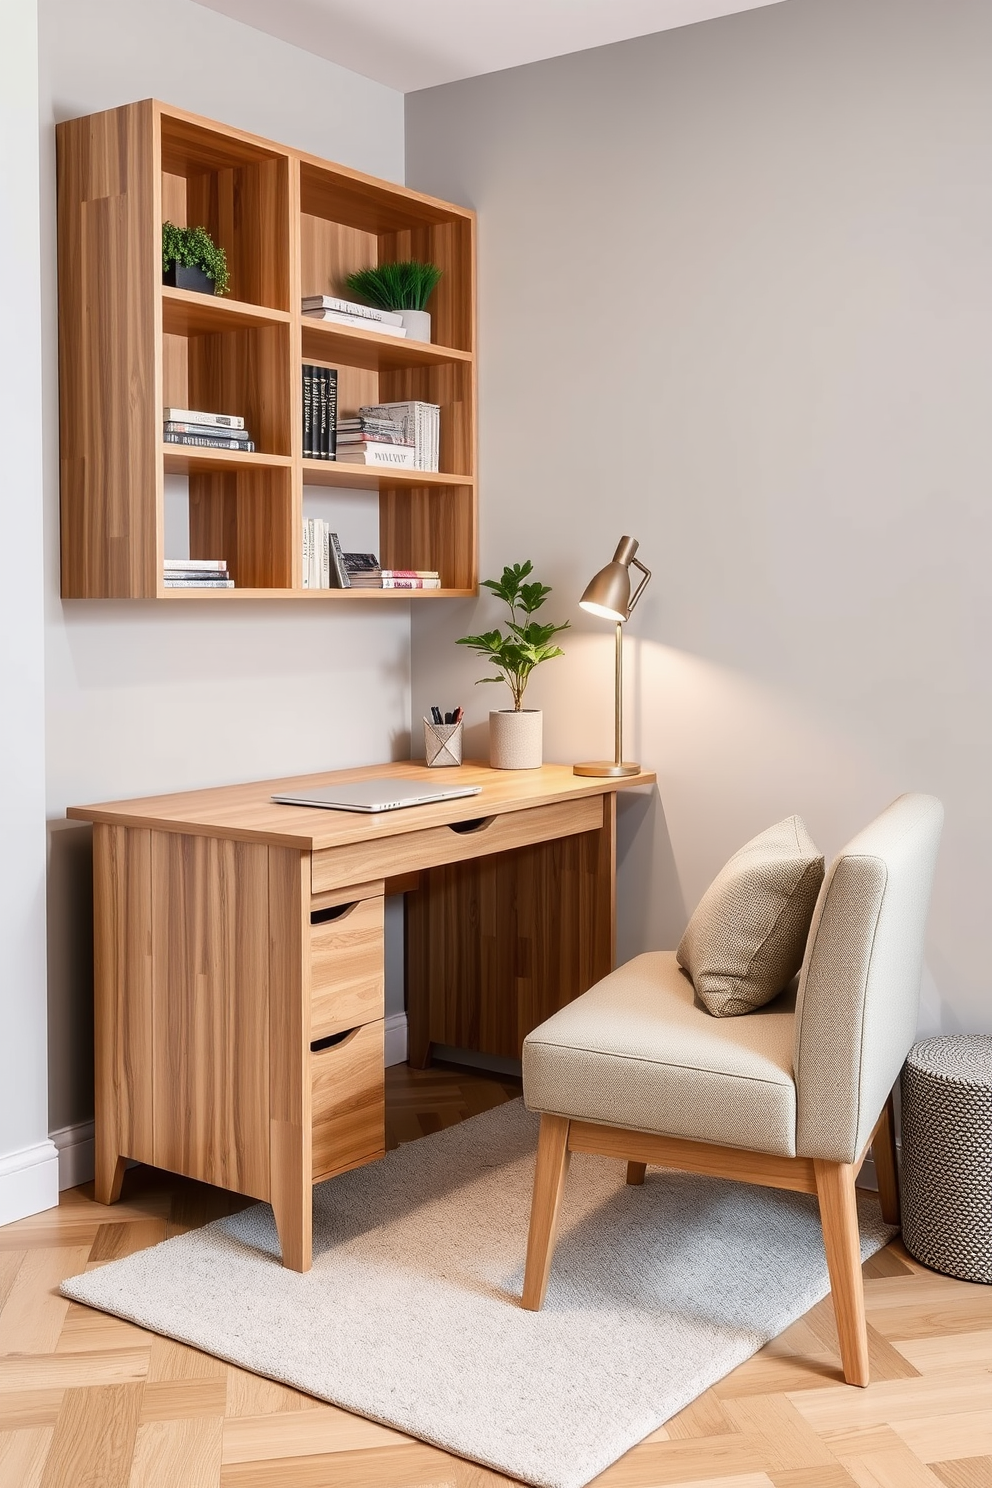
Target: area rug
(411,1317)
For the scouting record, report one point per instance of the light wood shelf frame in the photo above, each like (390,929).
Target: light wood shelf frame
(291,224)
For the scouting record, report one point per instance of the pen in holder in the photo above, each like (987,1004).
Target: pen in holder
(443,743)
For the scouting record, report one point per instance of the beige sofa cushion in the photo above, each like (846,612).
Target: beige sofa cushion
(636,1050)
(745,941)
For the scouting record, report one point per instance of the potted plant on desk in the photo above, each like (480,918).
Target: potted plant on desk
(516,734)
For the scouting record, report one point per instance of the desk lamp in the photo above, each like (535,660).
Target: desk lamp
(609,596)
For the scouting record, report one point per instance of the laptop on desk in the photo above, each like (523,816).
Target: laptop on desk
(384,794)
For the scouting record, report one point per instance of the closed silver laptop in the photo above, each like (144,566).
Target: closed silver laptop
(376,795)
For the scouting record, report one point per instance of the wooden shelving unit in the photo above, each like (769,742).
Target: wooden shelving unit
(291,225)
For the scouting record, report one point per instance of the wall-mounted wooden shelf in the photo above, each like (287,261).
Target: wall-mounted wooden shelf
(291,225)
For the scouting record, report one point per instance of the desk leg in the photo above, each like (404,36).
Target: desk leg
(292,1196)
(122,1003)
(290,1094)
(418,971)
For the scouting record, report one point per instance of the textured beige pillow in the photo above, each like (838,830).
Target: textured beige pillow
(747,936)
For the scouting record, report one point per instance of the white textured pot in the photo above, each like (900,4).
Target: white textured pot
(418,324)
(516,740)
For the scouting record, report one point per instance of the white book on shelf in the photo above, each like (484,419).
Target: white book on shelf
(399,455)
(196,565)
(351,307)
(356,322)
(305,567)
(315,547)
(194,416)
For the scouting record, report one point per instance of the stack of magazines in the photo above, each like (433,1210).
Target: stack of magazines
(196,573)
(367,440)
(364,572)
(421,426)
(224,431)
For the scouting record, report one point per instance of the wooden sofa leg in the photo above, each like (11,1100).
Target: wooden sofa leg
(549,1185)
(635,1173)
(842,1241)
(883,1150)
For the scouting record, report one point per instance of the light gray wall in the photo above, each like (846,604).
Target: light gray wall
(27,1167)
(139,700)
(736,300)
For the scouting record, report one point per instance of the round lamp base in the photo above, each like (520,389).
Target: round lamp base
(607,768)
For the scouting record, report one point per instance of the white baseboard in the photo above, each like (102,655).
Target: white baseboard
(75,1149)
(29,1181)
(395,1032)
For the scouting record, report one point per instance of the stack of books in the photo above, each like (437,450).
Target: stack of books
(363,570)
(323,561)
(320,411)
(367,440)
(421,425)
(410,578)
(207,430)
(357,317)
(196,573)
(364,573)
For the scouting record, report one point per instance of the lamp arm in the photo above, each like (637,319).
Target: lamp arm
(636,563)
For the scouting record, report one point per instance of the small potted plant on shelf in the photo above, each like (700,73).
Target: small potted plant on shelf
(192,260)
(403,288)
(516,734)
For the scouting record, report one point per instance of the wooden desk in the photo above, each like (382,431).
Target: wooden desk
(239,962)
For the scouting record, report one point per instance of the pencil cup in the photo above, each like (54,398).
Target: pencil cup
(443,743)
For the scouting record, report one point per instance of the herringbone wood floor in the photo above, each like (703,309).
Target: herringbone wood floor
(87,1401)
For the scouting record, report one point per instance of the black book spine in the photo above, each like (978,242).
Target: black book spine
(307,411)
(332,413)
(321,450)
(341,577)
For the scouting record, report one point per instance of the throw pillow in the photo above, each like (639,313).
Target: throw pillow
(746,939)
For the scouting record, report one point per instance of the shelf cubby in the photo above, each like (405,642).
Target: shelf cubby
(290,225)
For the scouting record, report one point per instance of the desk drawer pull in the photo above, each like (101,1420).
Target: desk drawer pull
(336,912)
(418,848)
(331,1041)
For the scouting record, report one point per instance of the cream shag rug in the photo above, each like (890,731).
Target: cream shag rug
(411,1313)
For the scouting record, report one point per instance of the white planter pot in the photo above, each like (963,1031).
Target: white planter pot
(418,324)
(516,740)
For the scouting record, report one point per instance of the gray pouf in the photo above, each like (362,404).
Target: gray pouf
(947,1155)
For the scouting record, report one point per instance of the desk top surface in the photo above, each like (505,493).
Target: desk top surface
(247,812)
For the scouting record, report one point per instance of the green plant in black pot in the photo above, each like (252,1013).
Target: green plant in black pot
(192,260)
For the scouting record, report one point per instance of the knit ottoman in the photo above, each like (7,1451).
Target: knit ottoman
(947,1155)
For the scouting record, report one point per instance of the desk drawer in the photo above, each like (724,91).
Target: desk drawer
(346,967)
(348,1086)
(388,856)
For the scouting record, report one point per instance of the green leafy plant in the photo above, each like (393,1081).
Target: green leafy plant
(396,286)
(527,643)
(194,248)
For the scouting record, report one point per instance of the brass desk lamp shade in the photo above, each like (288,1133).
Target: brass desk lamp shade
(608,595)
